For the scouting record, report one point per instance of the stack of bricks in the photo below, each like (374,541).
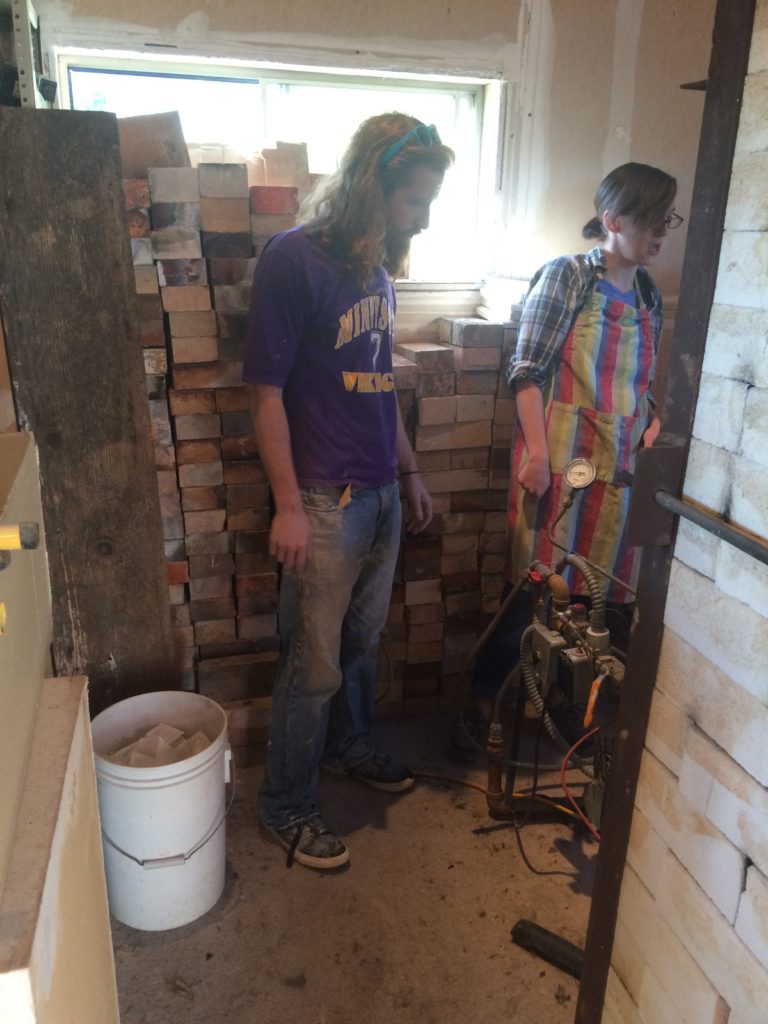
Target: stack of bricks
(458,412)
(196,233)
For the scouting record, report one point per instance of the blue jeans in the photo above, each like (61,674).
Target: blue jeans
(331,616)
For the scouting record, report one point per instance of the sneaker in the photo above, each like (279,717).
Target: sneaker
(378,770)
(468,739)
(310,843)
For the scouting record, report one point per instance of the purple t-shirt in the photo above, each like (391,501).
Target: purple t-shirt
(328,343)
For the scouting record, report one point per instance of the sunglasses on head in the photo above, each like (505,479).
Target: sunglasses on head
(424,134)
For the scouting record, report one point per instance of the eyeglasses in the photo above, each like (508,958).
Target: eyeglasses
(673,220)
(425,134)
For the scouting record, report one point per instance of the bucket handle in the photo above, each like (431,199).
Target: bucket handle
(178,859)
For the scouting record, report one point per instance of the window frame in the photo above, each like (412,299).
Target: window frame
(487,90)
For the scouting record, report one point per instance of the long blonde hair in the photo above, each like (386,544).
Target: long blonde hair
(347,211)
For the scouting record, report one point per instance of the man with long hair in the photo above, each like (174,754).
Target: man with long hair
(332,443)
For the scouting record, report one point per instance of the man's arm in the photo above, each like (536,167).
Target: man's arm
(534,475)
(418,513)
(290,535)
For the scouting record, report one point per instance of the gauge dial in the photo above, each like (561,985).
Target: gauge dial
(579,473)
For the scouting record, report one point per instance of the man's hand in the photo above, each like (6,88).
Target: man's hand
(290,539)
(418,512)
(534,476)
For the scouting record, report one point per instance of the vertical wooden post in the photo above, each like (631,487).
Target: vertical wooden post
(68,311)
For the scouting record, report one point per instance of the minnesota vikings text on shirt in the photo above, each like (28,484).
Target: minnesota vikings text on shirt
(369,314)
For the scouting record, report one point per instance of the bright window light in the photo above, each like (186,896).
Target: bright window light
(232,116)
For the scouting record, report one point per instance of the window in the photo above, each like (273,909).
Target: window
(231,112)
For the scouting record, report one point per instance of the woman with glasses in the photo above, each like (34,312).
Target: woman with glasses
(582,372)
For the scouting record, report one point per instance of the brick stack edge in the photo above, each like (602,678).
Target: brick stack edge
(196,234)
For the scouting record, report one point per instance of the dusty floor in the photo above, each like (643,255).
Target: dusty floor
(415,931)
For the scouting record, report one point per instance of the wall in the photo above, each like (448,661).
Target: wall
(584,92)
(692,937)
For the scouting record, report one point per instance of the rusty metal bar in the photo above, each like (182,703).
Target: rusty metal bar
(733,535)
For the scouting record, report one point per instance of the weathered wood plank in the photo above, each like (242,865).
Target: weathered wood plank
(75,358)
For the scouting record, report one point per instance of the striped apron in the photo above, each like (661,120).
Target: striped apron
(596,407)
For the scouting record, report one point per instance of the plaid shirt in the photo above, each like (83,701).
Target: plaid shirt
(556,295)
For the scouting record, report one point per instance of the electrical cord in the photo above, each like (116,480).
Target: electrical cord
(591,828)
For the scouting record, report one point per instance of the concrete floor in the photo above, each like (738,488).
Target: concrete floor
(415,931)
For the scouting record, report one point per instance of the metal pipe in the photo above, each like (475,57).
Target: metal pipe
(714,524)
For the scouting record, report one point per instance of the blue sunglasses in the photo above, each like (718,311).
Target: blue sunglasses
(425,134)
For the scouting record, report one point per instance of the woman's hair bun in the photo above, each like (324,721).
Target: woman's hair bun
(593,229)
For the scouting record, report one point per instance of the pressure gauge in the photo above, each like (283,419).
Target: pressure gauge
(579,473)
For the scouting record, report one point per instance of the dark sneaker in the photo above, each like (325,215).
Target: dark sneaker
(310,843)
(468,740)
(379,771)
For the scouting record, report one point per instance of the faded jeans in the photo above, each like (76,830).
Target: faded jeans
(331,616)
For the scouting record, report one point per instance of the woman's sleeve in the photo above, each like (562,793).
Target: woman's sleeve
(554,297)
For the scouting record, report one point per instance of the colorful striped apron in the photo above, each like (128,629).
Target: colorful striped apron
(596,407)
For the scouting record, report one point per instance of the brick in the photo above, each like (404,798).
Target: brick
(170,505)
(435,385)
(138,223)
(210,375)
(232,298)
(213,608)
(177,273)
(254,627)
(190,403)
(210,565)
(406,372)
(729,397)
(178,572)
(265,225)
(728,633)
(166,482)
(223,181)
(256,594)
(198,451)
(222,215)
(423,592)
(215,632)
(427,569)
(234,424)
(175,231)
(735,719)
(201,474)
(208,543)
(177,594)
(197,427)
(173,527)
(474,407)
(238,677)
(437,410)
(245,496)
(199,499)
(420,614)
(477,359)
(715,863)
(152,333)
(730,799)
(244,473)
(753,131)
(476,382)
(732,969)
(470,332)
(145,279)
(226,245)
(452,436)
(254,563)
(210,586)
(235,448)
(141,252)
(466,561)
(742,276)
(274,199)
(186,298)
(697,549)
(211,521)
(251,519)
(667,727)
(749,497)
(646,948)
(455,480)
(427,633)
(173,185)
(753,446)
(646,851)
(428,356)
(155,361)
(250,541)
(752,919)
(234,399)
(195,350)
(196,324)
(506,411)
(747,208)
(735,344)
(136,193)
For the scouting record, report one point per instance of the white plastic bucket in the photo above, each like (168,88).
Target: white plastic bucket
(162,827)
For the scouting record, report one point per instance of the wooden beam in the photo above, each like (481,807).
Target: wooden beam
(68,308)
